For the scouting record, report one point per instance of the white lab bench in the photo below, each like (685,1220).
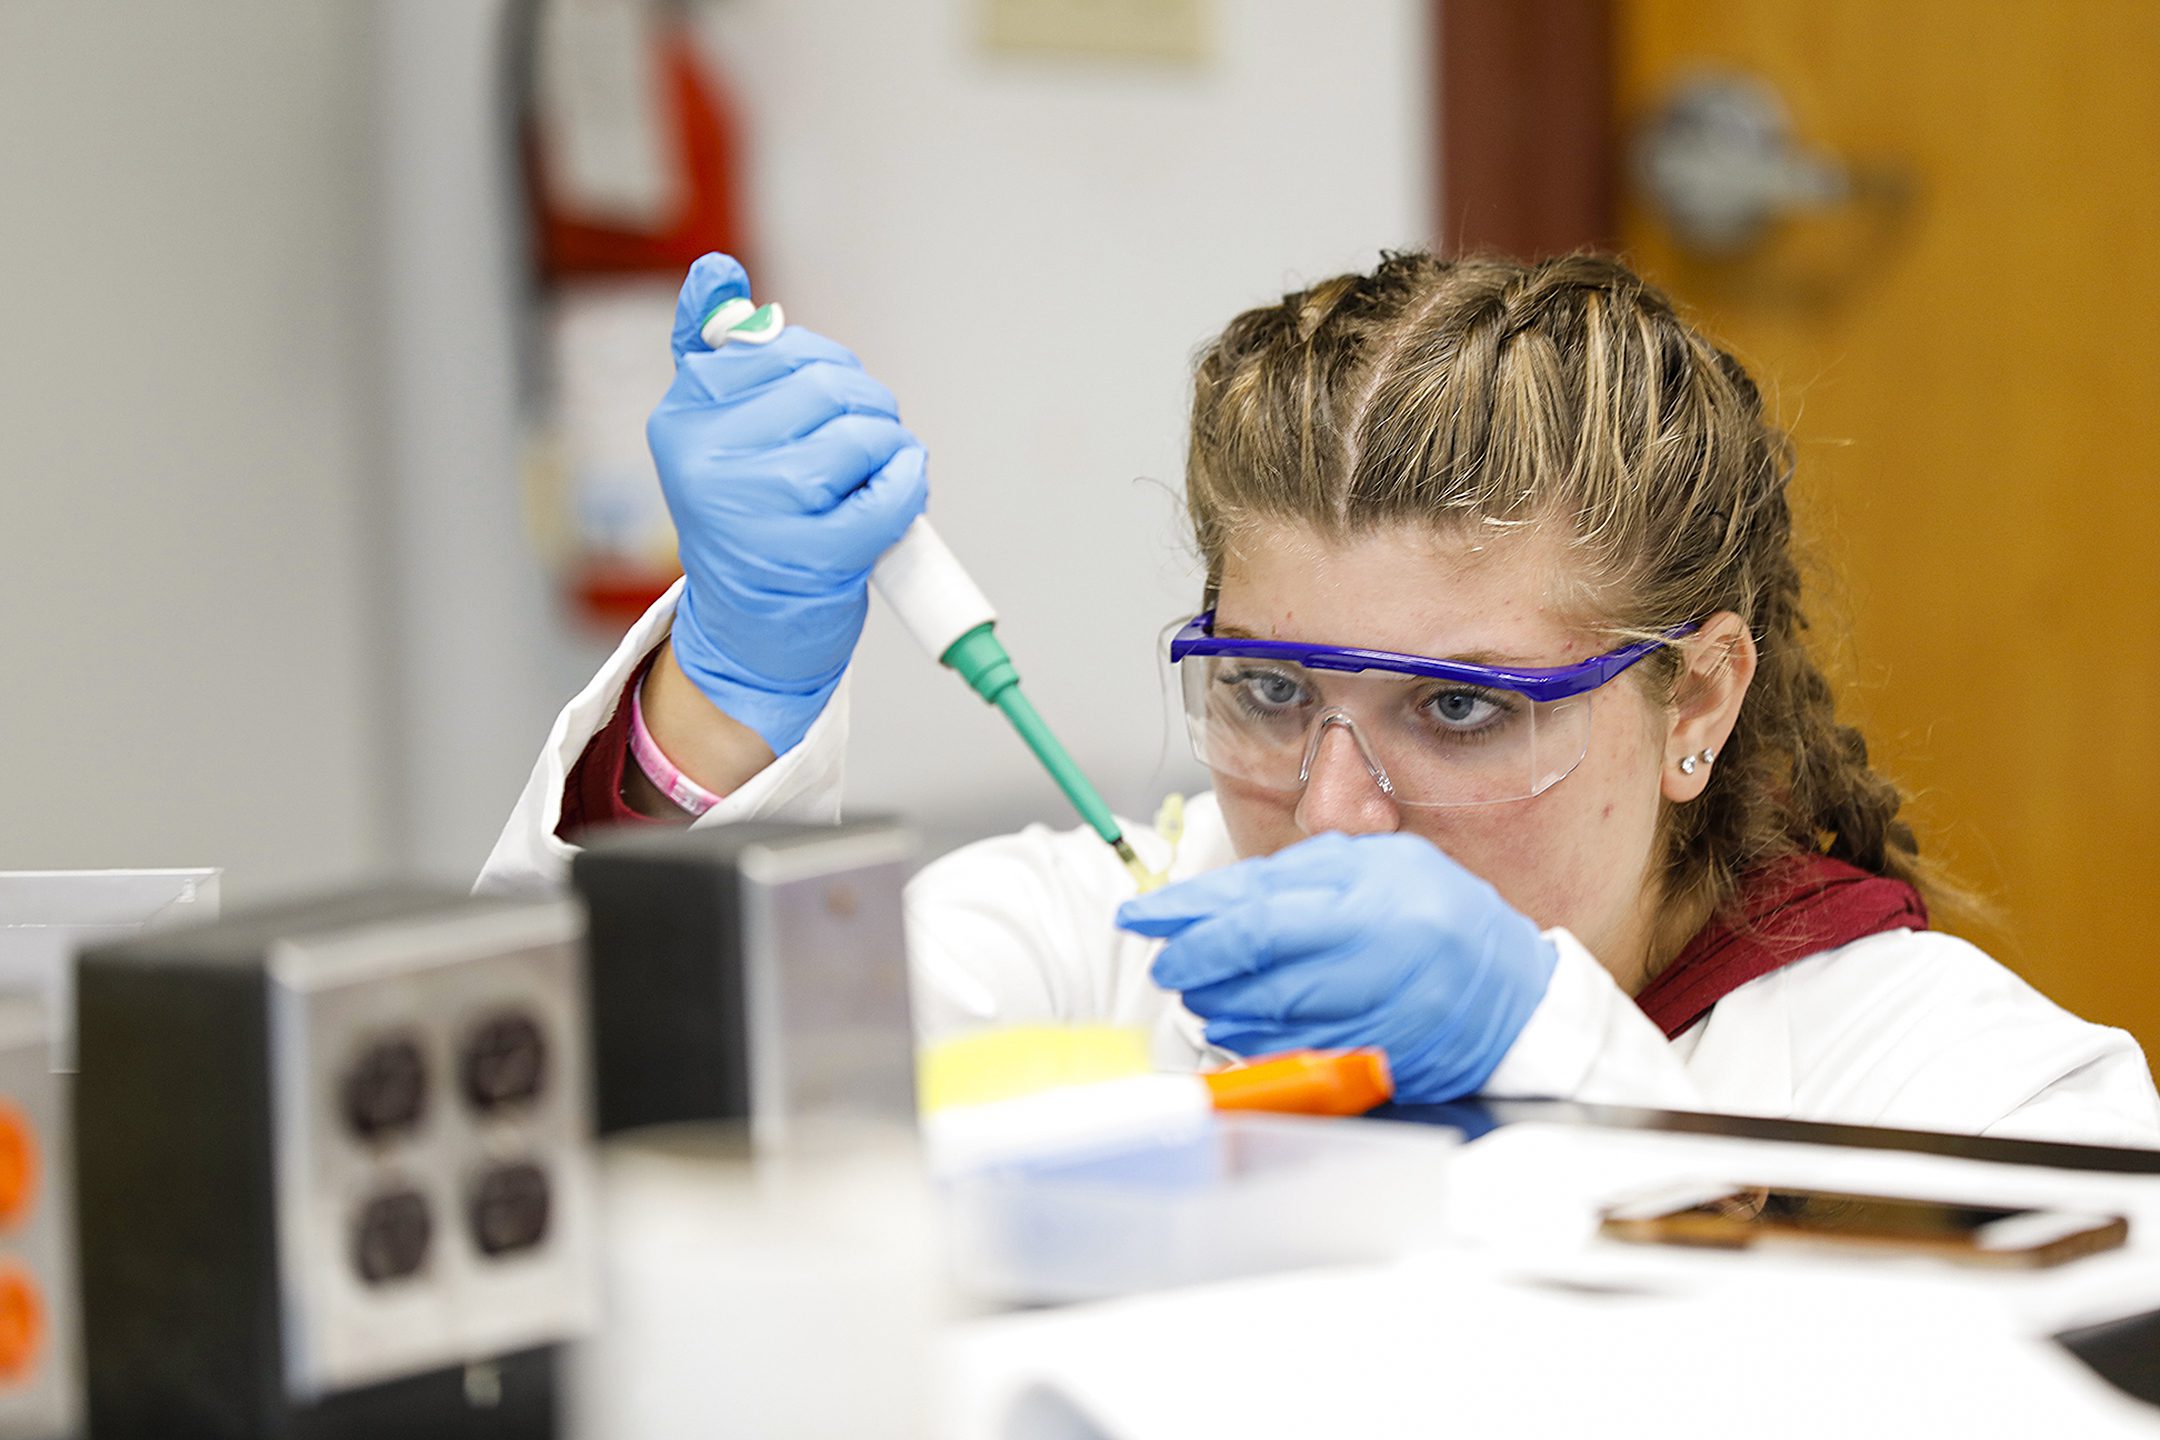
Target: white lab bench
(1524,1322)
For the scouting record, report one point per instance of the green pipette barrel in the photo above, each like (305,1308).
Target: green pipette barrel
(980,660)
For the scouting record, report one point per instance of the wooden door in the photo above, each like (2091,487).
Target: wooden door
(1969,356)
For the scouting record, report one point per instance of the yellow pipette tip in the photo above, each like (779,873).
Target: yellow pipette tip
(1142,876)
(1170,829)
(1170,821)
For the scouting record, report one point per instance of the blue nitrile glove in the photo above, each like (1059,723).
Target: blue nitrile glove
(788,473)
(1338,942)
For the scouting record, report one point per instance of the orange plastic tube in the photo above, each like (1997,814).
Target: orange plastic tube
(22,1323)
(1306,1082)
(18,1165)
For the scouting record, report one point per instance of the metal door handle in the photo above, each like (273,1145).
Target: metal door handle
(1718,163)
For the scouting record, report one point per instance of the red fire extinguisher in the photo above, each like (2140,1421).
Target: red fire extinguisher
(631,161)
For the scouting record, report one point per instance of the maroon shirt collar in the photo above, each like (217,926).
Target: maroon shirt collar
(1791,909)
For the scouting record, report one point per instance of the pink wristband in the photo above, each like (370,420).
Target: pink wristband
(677,786)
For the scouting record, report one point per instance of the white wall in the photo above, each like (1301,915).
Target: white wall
(483,656)
(184,628)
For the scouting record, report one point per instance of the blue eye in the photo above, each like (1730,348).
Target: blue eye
(1464,712)
(1263,691)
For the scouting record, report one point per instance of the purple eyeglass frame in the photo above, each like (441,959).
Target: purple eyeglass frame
(1559,682)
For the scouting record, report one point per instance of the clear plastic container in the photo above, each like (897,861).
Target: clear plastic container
(1254,1193)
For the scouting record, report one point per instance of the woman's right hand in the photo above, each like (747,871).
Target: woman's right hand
(788,474)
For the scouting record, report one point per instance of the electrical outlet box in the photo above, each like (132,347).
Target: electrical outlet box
(40,1396)
(753,972)
(1173,30)
(335,1169)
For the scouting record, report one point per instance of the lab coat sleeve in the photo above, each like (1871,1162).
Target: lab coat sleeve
(2107,1099)
(1924,1030)
(1914,1030)
(1588,1040)
(990,929)
(1019,930)
(803,784)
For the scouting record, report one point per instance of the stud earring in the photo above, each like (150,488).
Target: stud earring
(1687,764)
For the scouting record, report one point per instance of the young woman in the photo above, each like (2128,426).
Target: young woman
(1522,770)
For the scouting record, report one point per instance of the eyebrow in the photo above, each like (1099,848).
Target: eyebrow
(1490,659)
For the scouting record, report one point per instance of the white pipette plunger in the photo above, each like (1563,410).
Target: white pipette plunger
(948,614)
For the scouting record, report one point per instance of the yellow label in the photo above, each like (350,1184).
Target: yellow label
(1025,1059)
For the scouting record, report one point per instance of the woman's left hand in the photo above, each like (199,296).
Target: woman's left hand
(1338,942)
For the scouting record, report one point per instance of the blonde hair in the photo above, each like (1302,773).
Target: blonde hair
(1567,393)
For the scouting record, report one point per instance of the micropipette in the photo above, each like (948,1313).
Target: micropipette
(949,616)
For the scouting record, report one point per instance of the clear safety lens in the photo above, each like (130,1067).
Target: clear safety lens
(1426,742)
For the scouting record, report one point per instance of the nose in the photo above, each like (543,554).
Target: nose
(1341,791)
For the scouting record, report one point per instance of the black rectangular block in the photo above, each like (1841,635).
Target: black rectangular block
(752,972)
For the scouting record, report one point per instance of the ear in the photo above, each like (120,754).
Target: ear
(1718,663)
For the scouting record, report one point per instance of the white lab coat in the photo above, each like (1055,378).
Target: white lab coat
(1904,1029)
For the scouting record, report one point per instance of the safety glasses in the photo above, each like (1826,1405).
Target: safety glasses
(1431,732)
